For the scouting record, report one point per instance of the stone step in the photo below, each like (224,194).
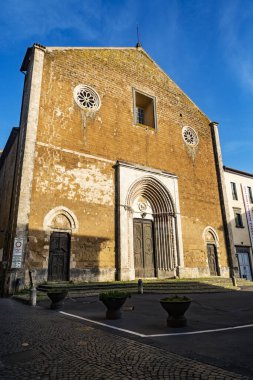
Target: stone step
(204,285)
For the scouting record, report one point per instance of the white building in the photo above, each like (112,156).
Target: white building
(239,188)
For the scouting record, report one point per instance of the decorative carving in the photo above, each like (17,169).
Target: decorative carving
(60,218)
(87,98)
(142,205)
(60,222)
(190,136)
(128,208)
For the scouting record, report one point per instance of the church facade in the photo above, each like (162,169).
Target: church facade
(115,176)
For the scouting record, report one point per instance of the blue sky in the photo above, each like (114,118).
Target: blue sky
(205,46)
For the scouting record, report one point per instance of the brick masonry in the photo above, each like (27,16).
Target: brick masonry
(74,155)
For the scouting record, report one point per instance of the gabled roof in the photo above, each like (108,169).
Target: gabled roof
(138,48)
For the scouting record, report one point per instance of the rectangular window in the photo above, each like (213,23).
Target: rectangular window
(140,115)
(144,109)
(238,218)
(234,192)
(250,194)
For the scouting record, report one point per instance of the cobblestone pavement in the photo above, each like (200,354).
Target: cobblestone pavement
(37,343)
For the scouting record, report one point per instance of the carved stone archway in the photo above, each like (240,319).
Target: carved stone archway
(149,195)
(59,225)
(162,211)
(60,218)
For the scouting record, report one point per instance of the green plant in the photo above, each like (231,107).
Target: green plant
(114,294)
(176,299)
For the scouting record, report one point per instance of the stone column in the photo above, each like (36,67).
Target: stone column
(233,266)
(26,156)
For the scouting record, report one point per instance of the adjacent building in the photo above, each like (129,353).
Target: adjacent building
(239,187)
(115,173)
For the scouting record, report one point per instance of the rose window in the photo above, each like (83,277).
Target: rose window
(190,136)
(87,98)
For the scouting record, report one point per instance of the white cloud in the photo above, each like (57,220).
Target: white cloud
(29,19)
(236,37)
(53,22)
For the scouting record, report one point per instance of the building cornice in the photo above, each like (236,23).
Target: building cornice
(27,57)
(236,171)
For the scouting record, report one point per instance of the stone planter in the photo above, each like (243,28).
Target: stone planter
(57,297)
(176,307)
(113,302)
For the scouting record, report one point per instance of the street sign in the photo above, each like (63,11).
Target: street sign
(17,253)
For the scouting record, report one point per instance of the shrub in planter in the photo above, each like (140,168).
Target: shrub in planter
(113,301)
(176,307)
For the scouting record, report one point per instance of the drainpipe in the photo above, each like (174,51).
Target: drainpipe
(232,262)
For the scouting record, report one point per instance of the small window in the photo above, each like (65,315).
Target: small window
(238,218)
(250,194)
(234,192)
(140,115)
(144,110)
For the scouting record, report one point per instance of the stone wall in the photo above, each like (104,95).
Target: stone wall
(76,151)
(7,185)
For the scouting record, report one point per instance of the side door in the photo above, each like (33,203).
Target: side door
(212,259)
(59,252)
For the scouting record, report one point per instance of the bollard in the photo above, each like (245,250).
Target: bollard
(33,296)
(140,286)
(234,281)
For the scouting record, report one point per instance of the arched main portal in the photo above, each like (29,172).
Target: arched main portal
(152,225)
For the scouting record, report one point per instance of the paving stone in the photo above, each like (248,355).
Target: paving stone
(60,348)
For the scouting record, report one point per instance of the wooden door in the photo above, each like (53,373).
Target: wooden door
(143,248)
(138,249)
(212,259)
(59,252)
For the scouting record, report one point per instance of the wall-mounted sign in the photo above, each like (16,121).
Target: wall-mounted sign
(248,212)
(17,253)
